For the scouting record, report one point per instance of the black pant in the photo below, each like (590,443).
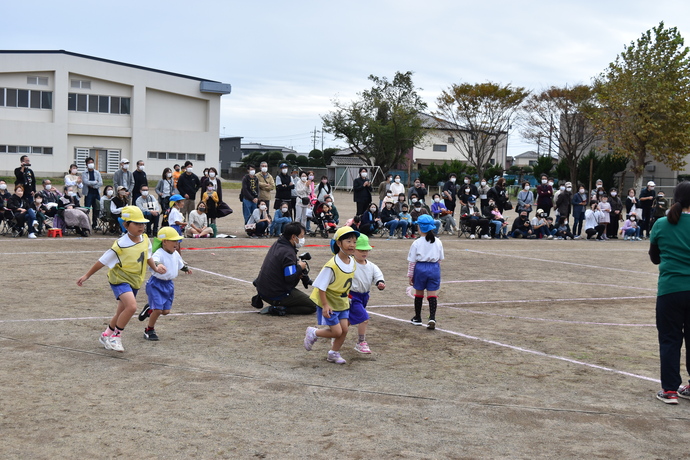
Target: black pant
(673,325)
(599,230)
(295,303)
(646,218)
(361,207)
(612,227)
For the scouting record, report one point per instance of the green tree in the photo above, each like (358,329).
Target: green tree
(328,154)
(603,167)
(316,158)
(273,158)
(544,165)
(291,158)
(479,117)
(644,101)
(302,161)
(560,117)
(254,158)
(383,124)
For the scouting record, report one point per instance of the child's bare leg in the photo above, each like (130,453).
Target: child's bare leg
(340,340)
(154,316)
(126,307)
(362,328)
(333,332)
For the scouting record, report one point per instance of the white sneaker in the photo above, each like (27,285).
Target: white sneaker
(472,236)
(105,341)
(35,225)
(486,237)
(550,237)
(32,236)
(116,343)
(625,238)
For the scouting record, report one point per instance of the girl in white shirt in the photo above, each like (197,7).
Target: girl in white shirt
(424,269)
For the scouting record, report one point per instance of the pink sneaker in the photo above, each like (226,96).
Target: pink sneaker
(334,357)
(309,338)
(362,347)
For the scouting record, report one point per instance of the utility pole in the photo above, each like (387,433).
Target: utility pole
(314,137)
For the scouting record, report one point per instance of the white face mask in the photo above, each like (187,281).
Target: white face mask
(364,175)
(551,183)
(145,193)
(90,166)
(283,210)
(284,170)
(614,193)
(372,209)
(71,194)
(568,189)
(109,193)
(544,182)
(141,167)
(303,178)
(209,189)
(73,171)
(389,194)
(3,186)
(211,174)
(397,181)
(264,169)
(467,191)
(483,184)
(252,172)
(527,187)
(562,188)
(48,187)
(262,207)
(168,175)
(438,200)
(125,167)
(190,169)
(453,179)
(300,242)
(467,181)
(414,200)
(582,190)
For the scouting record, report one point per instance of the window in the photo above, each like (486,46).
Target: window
(440,148)
(77,102)
(11,97)
(43,81)
(24,149)
(22,98)
(176,156)
(25,98)
(83,84)
(451,140)
(35,102)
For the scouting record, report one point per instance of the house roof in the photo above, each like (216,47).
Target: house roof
(109,61)
(347,161)
(527,154)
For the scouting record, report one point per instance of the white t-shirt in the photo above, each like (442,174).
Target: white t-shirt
(326,275)
(110,258)
(173,263)
(366,275)
(175,216)
(423,251)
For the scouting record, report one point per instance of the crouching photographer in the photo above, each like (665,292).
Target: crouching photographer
(280,273)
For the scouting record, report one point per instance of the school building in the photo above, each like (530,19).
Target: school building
(60,107)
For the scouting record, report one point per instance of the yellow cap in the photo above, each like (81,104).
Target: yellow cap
(133,214)
(168,233)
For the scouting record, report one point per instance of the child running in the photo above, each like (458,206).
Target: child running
(366,274)
(160,288)
(424,269)
(331,289)
(126,260)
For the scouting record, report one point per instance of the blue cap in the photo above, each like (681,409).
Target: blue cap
(426,223)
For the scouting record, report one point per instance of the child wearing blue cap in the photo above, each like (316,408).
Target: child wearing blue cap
(331,290)
(424,269)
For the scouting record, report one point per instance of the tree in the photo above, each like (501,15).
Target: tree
(273,157)
(383,124)
(560,117)
(328,154)
(479,116)
(302,161)
(603,167)
(316,158)
(644,101)
(544,165)
(291,158)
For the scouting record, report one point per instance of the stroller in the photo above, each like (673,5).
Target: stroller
(324,226)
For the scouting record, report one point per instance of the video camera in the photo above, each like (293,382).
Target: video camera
(306,281)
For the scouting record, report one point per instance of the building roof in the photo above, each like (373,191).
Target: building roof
(262,147)
(347,161)
(85,56)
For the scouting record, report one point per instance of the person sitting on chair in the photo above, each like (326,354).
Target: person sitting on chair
(472,217)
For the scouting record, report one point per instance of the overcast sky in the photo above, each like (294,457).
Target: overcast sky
(287,61)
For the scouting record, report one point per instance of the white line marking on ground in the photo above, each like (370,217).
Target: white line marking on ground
(84,318)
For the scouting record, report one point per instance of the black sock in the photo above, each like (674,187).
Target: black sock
(418,307)
(432,307)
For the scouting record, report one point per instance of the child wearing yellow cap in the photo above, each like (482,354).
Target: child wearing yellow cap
(366,274)
(127,260)
(331,289)
(160,287)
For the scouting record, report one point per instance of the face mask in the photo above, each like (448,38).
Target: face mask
(527,187)
(614,193)
(27,164)
(300,243)
(551,184)
(3,186)
(73,171)
(262,207)
(123,193)
(632,219)
(177,169)
(483,184)
(414,200)
(211,174)
(389,194)
(210,189)
(252,172)
(109,193)
(145,193)
(311,177)
(437,200)
(364,175)
(453,179)
(467,181)
(48,187)
(284,170)
(390,179)
(562,188)
(467,191)
(325,181)
(168,175)
(544,182)
(141,167)
(125,167)
(202,209)
(39,201)
(582,190)
(651,188)
(397,181)
(372,209)
(90,165)
(263,169)
(71,194)
(303,178)
(189,170)
(283,210)
(568,189)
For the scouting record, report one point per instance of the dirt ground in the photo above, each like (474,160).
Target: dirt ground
(543,349)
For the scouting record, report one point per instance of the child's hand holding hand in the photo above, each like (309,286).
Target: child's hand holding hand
(160,269)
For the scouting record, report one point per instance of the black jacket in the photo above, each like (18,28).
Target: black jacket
(279,272)
(284,186)
(361,194)
(250,187)
(188,184)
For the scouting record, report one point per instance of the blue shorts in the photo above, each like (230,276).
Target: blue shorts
(119,289)
(427,275)
(178,229)
(161,293)
(358,305)
(335,318)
